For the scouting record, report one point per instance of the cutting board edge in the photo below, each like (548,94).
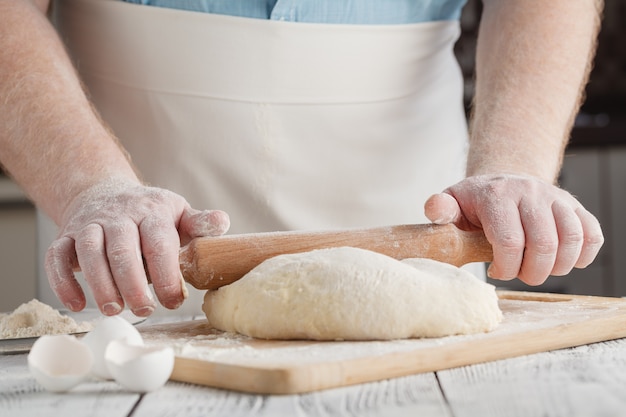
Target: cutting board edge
(303,378)
(555,297)
(298,379)
(243,378)
(317,378)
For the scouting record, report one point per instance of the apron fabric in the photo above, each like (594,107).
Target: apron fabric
(370,12)
(285,126)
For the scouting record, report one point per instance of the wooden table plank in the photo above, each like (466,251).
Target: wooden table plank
(21,395)
(585,381)
(413,395)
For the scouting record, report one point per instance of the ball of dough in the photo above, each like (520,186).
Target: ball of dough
(353,294)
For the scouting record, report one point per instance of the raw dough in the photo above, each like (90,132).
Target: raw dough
(353,294)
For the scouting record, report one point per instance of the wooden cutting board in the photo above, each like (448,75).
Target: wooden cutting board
(533,322)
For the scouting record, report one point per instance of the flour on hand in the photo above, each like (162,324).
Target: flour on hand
(353,294)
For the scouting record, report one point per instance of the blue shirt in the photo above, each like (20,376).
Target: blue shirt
(325,11)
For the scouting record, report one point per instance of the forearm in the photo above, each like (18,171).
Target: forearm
(51,140)
(533,60)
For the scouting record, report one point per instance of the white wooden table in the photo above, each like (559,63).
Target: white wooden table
(587,381)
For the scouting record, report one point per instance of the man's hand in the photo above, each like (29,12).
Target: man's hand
(536,229)
(111,231)
(532,62)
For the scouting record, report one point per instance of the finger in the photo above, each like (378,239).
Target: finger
(126,265)
(59,264)
(570,235)
(194,223)
(503,229)
(160,246)
(541,244)
(593,238)
(442,209)
(93,262)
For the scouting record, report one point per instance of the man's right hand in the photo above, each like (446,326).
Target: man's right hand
(120,232)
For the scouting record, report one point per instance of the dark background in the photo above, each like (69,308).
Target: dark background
(602,120)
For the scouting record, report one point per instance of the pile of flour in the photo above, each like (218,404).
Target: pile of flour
(34,319)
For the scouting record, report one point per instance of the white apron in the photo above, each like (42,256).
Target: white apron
(283,125)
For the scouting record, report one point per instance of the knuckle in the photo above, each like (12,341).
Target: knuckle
(157,249)
(123,264)
(55,254)
(120,228)
(167,286)
(60,258)
(496,184)
(511,242)
(573,236)
(89,239)
(119,253)
(545,245)
(595,240)
(158,197)
(89,245)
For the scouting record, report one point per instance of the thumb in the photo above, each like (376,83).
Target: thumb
(442,209)
(194,223)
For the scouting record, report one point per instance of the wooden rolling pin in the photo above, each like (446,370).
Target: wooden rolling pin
(212,262)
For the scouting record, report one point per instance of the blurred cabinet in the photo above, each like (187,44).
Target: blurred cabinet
(18,262)
(616,194)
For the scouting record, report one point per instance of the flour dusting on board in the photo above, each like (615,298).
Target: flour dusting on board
(197,340)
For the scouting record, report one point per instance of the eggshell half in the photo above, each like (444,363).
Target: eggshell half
(59,362)
(139,368)
(105,331)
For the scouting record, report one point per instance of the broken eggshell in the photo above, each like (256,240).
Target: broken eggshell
(105,331)
(59,362)
(139,368)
